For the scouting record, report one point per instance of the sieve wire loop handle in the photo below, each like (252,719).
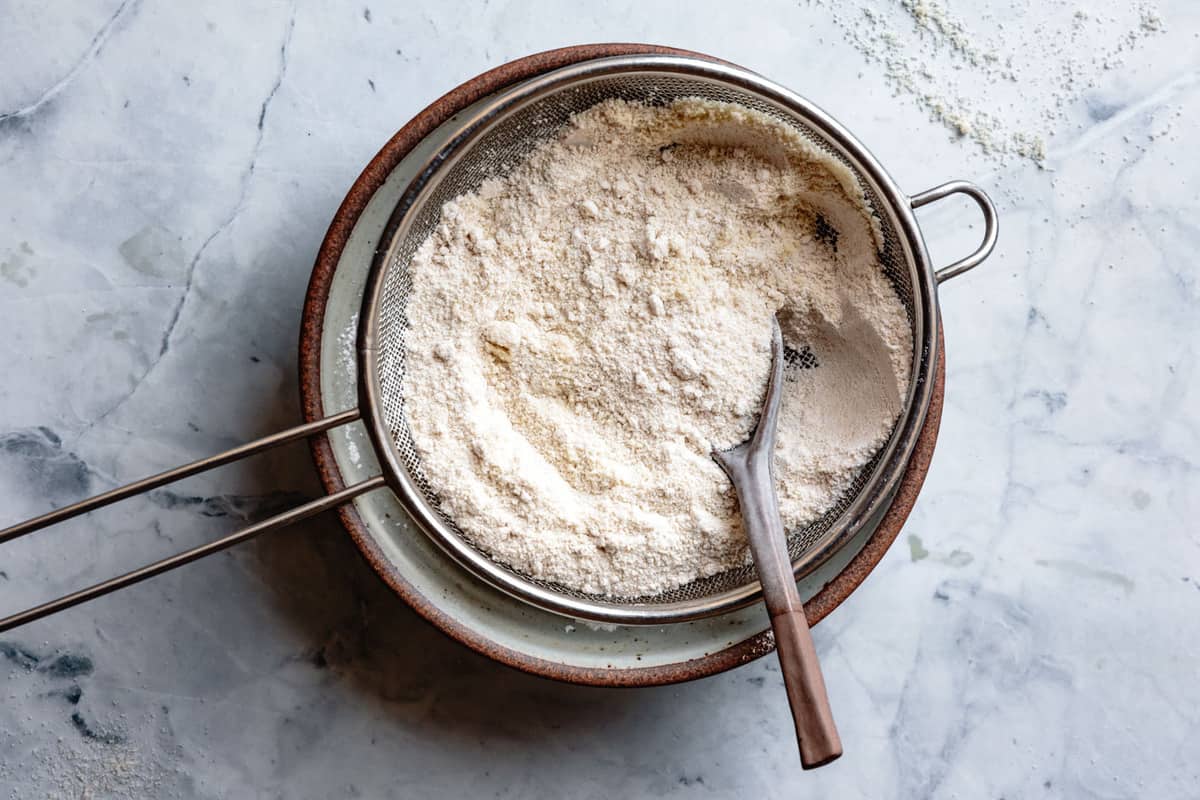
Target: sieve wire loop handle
(991,224)
(147,484)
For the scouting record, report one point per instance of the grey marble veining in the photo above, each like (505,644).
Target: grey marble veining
(168,174)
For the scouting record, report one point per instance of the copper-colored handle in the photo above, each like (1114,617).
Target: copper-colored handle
(818,736)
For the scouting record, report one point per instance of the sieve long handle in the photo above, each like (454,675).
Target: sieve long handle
(991,224)
(178,473)
(146,484)
(749,469)
(187,556)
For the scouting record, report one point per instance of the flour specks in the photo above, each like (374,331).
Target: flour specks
(1003,78)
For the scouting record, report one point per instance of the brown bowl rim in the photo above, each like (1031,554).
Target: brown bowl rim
(372,177)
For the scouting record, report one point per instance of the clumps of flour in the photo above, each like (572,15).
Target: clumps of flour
(584,331)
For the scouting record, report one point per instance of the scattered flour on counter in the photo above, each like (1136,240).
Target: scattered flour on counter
(70,769)
(586,329)
(1006,76)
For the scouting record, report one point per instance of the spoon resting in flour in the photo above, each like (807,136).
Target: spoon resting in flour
(749,467)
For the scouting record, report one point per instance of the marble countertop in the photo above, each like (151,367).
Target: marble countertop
(168,174)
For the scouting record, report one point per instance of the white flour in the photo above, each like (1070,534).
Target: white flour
(1003,74)
(586,330)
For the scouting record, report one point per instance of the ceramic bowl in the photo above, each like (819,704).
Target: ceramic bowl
(476,614)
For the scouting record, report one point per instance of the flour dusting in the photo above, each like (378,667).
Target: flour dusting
(1003,76)
(585,330)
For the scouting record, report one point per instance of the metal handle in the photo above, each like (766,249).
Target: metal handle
(991,224)
(178,560)
(749,469)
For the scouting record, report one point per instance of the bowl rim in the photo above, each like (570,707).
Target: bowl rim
(344,221)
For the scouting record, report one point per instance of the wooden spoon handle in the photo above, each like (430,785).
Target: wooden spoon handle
(749,469)
(815,729)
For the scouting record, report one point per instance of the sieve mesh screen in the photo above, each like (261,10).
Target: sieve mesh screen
(507,141)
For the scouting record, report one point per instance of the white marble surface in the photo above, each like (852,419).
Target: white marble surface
(168,172)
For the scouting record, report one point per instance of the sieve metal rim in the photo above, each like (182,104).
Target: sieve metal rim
(880,486)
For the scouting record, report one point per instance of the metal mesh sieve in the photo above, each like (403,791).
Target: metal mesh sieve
(500,132)
(496,140)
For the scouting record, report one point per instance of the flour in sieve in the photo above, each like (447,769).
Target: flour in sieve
(587,328)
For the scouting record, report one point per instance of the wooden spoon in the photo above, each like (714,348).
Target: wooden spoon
(749,467)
